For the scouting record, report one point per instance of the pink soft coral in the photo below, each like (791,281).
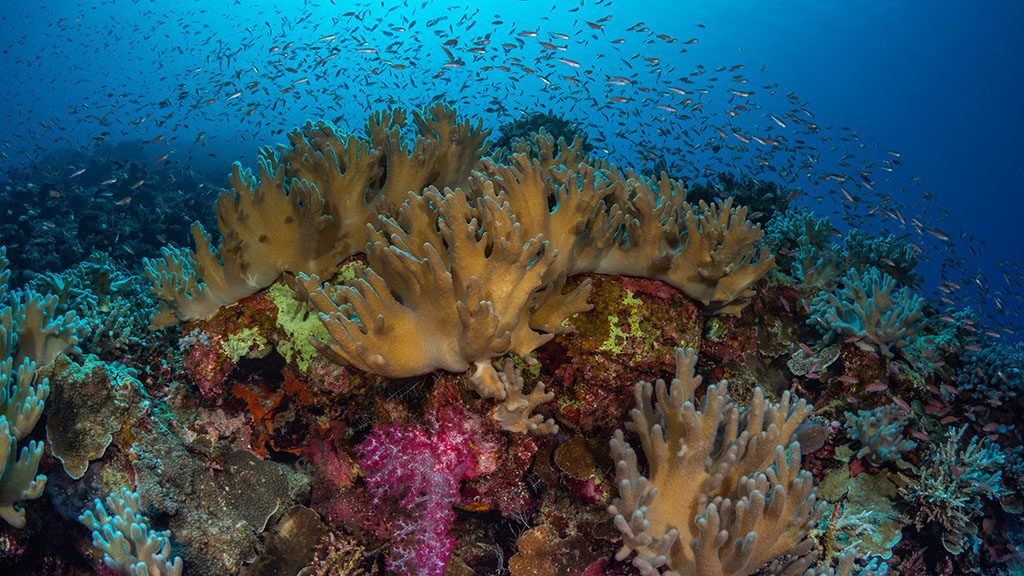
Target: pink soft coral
(418,473)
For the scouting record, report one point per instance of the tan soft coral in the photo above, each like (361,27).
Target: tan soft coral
(724,493)
(613,222)
(310,205)
(720,260)
(449,285)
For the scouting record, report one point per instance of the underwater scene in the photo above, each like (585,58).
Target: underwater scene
(522,287)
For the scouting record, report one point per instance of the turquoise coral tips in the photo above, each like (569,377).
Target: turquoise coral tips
(122,533)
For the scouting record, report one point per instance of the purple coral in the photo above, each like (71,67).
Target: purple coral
(417,472)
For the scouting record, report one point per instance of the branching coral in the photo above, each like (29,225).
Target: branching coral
(112,306)
(880,433)
(129,545)
(893,255)
(786,230)
(39,331)
(812,266)
(724,493)
(947,491)
(22,396)
(995,371)
(610,222)
(869,310)
(477,259)
(802,245)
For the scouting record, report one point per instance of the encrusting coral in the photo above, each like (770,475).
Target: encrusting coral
(724,494)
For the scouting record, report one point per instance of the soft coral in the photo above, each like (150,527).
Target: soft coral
(418,472)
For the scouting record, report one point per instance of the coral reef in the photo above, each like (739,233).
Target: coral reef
(721,496)
(483,266)
(404,354)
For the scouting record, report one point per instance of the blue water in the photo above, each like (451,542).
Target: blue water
(937,83)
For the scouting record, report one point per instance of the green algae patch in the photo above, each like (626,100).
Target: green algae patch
(298,327)
(246,343)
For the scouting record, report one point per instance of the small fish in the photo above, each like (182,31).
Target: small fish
(124,201)
(77,173)
(876,386)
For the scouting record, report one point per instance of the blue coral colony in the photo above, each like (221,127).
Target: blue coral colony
(436,343)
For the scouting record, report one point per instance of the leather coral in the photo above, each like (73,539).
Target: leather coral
(451,282)
(724,493)
(308,206)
